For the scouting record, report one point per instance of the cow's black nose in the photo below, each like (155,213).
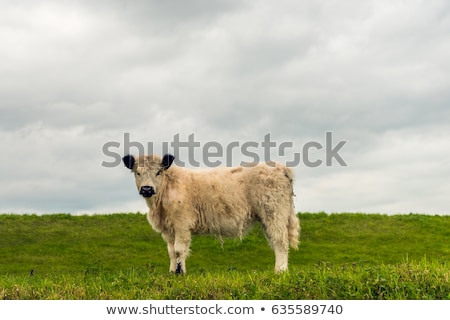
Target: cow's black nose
(147,191)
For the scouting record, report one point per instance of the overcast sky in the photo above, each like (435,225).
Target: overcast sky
(77,75)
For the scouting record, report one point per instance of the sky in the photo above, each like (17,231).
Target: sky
(361,89)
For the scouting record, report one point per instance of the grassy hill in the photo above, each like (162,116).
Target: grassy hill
(119,256)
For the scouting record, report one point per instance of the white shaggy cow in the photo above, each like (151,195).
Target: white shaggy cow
(223,201)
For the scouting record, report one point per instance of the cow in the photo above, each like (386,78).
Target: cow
(224,201)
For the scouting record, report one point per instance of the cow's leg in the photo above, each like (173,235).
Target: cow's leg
(170,240)
(281,258)
(181,247)
(172,256)
(279,241)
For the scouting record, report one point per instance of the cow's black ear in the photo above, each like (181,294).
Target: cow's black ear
(167,161)
(128,161)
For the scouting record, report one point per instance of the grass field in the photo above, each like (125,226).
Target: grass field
(118,256)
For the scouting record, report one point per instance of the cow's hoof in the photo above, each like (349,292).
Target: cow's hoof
(179,270)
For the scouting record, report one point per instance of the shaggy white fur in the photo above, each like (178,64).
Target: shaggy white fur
(223,201)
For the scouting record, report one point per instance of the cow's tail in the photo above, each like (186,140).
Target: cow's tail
(293,221)
(293,230)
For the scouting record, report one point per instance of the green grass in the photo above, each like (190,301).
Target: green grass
(341,256)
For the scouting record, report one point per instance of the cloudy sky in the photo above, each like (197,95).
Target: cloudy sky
(79,78)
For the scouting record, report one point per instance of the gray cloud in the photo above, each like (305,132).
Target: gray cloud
(77,75)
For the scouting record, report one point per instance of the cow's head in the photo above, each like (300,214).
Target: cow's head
(148,171)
